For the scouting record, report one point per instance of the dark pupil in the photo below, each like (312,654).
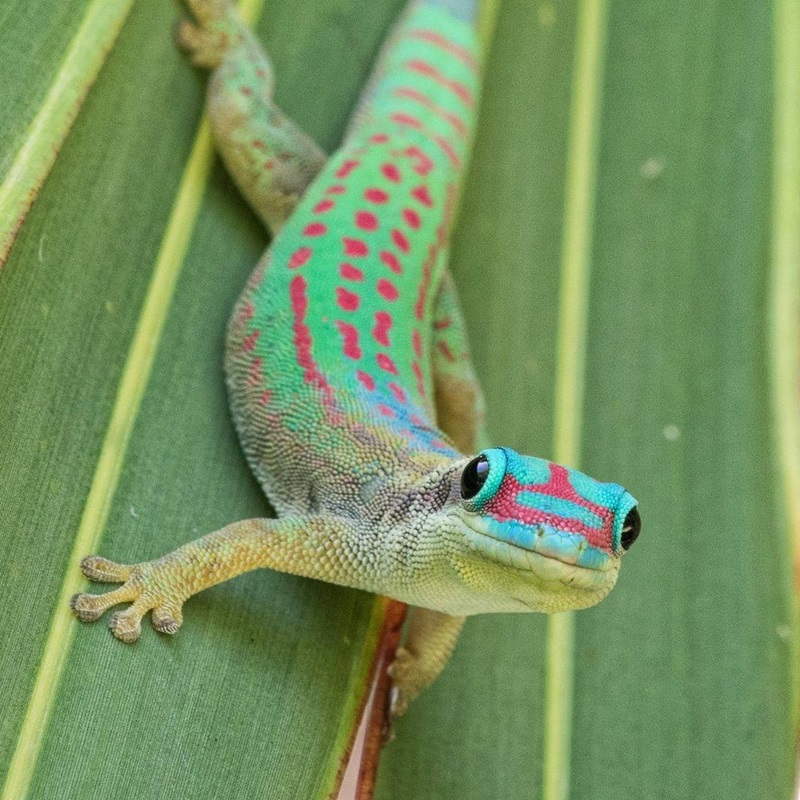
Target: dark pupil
(631,528)
(474,476)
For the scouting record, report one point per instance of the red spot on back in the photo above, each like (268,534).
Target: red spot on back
(410,93)
(445,350)
(264,397)
(387,290)
(350,346)
(406,119)
(246,91)
(255,375)
(376,195)
(335,189)
(350,273)
(416,341)
(347,300)
(385,410)
(299,257)
(383,324)
(417,370)
(323,206)
(302,340)
(397,391)
(249,341)
(346,169)
(423,164)
(367,381)
(391,173)
(315,229)
(258,144)
(411,218)
(422,194)
(448,150)
(427,272)
(436,39)
(391,261)
(386,363)
(429,71)
(400,240)
(379,138)
(366,220)
(442,324)
(354,247)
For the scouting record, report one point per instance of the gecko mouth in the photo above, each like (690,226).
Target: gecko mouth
(544,562)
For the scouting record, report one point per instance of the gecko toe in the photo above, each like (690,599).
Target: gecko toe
(97,568)
(167,619)
(125,625)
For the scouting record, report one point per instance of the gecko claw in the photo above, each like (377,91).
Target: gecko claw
(127,627)
(147,586)
(97,568)
(83,611)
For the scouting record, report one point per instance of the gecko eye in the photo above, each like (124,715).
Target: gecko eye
(474,476)
(630,528)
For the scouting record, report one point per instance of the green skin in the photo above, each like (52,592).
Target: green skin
(350,380)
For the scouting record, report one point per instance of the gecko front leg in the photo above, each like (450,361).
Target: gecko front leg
(314,546)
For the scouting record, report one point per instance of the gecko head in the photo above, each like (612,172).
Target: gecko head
(539,535)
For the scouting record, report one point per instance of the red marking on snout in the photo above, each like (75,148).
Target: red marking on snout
(504,507)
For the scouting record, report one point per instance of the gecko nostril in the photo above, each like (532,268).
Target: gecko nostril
(631,528)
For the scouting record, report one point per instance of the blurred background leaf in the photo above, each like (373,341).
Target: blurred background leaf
(683,676)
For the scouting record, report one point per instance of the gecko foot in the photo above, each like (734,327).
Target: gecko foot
(216,30)
(404,688)
(149,586)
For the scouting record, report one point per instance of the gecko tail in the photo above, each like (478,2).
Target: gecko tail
(465,10)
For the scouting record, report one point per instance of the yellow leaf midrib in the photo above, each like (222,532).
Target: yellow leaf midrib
(784,309)
(133,382)
(579,200)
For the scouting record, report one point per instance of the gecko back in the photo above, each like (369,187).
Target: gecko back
(329,356)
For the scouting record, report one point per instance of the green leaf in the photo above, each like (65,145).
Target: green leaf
(103,452)
(683,676)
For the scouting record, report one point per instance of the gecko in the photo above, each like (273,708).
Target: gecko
(350,381)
